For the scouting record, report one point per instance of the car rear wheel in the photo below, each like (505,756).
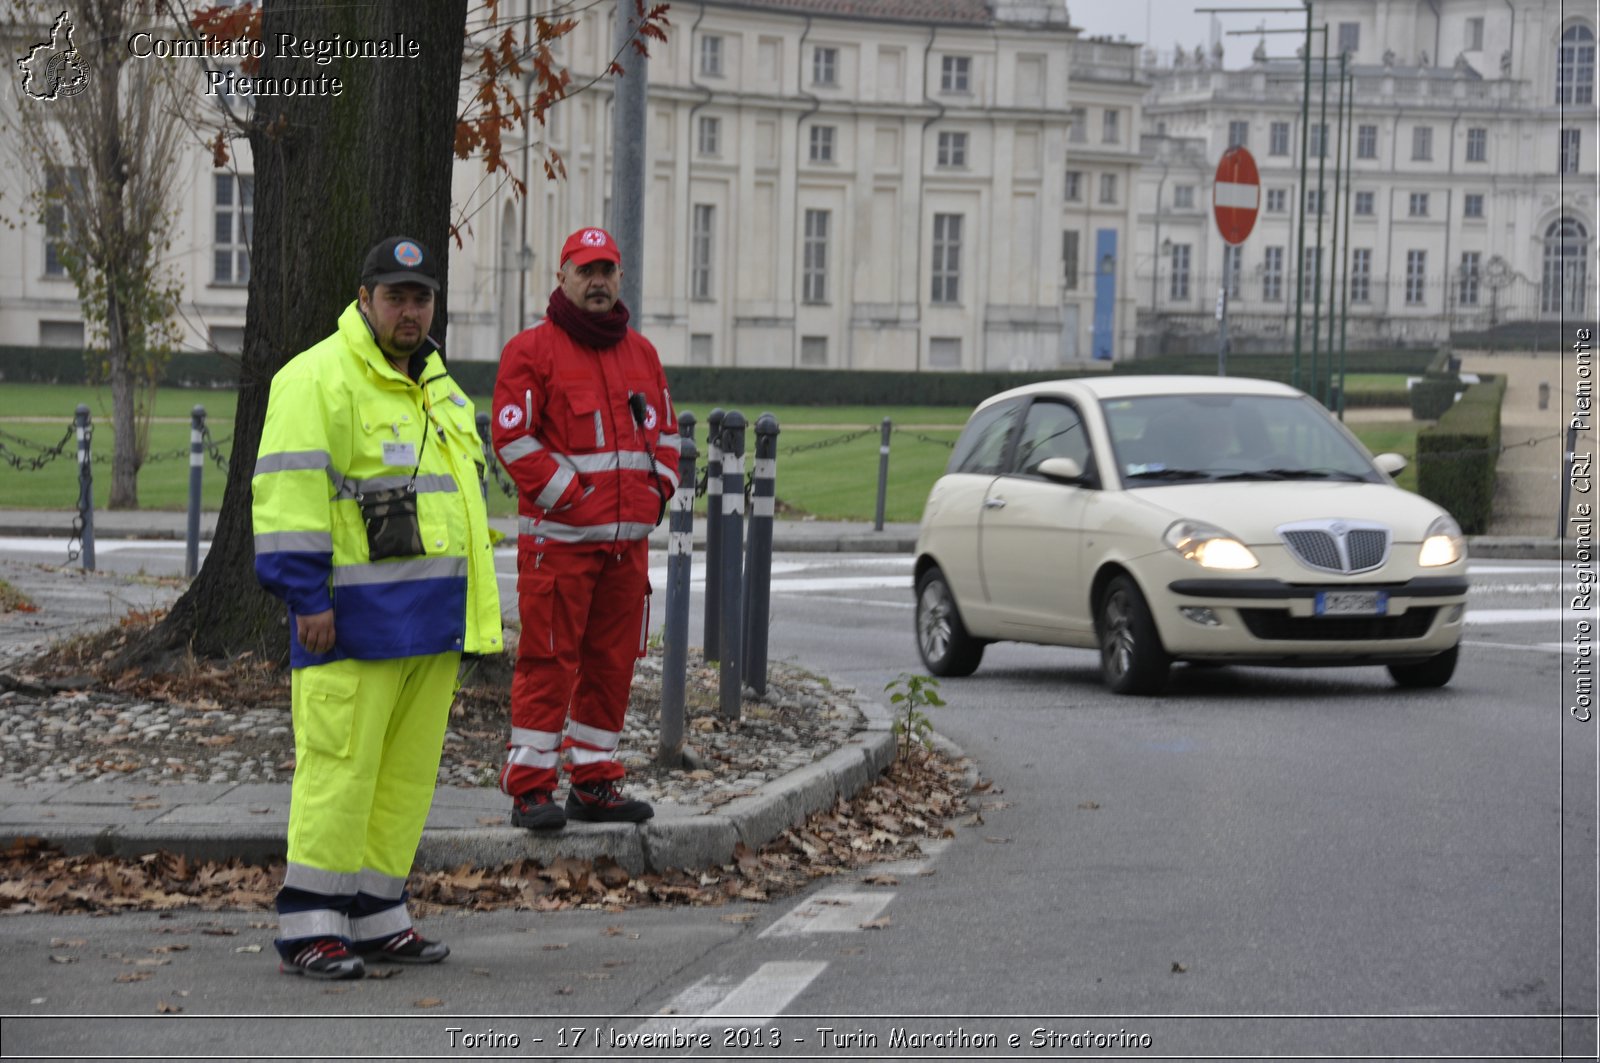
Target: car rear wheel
(1132,659)
(942,639)
(1433,672)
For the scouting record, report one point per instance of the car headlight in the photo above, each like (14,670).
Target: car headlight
(1209,546)
(1443,545)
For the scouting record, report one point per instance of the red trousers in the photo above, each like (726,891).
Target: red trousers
(585,620)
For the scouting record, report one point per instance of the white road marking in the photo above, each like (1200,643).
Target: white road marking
(1541,647)
(830,912)
(1513,616)
(758,999)
(931,848)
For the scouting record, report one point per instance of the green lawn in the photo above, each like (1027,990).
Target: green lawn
(838,480)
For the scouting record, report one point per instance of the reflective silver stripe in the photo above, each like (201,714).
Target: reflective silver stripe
(528,757)
(610,462)
(763,506)
(433,482)
(732,503)
(541,740)
(309,541)
(683,499)
(765,468)
(316,880)
(590,756)
(599,430)
(674,442)
(518,449)
(626,531)
(385,924)
(668,474)
(384,887)
(593,736)
(555,488)
(527,407)
(293,461)
(680,543)
(400,571)
(317,923)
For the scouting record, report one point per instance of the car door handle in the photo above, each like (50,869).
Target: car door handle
(994,503)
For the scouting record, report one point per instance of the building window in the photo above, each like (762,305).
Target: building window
(1565,250)
(1416,273)
(229,339)
(955,73)
(1477,145)
(1074,189)
(1108,188)
(1238,134)
(1349,37)
(711,57)
(946,258)
(61,334)
(700,348)
(233,224)
(1575,66)
(814,352)
(1361,275)
(1473,39)
(1367,142)
(1422,143)
(1069,260)
(1315,200)
(1319,140)
(1569,150)
(700,250)
(825,66)
(1272,275)
(58,180)
(1232,268)
(1364,203)
(815,265)
(1278,138)
(1183,197)
(1310,273)
(952,150)
(1417,207)
(710,136)
(1469,277)
(1180,272)
(822,143)
(1078,127)
(1472,205)
(1111,127)
(1277,200)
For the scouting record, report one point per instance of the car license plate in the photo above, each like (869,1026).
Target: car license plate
(1352,603)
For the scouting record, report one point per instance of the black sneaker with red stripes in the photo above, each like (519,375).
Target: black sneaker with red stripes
(602,802)
(537,810)
(324,958)
(408,946)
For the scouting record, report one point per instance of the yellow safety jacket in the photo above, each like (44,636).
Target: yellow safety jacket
(342,421)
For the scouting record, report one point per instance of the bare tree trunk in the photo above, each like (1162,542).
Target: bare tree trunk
(334,175)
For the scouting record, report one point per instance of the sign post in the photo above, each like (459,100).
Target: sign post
(1235,202)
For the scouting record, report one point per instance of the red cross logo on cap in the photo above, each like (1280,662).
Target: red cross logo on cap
(594,238)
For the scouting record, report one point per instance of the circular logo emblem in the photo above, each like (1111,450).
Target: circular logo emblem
(649,416)
(593,238)
(510,416)
(407,253)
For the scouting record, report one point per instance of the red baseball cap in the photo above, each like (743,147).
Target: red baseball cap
(590,245)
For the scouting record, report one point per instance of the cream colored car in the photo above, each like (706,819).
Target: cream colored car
(1175,518)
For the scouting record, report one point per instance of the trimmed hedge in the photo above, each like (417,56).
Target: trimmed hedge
(1432,396)
(63,365)
(1456,458)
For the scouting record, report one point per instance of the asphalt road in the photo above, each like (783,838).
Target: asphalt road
(1257,864)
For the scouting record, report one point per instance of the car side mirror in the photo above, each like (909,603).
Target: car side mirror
(1062,470)
(1390,463)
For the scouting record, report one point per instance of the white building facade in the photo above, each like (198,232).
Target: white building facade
(1471,156)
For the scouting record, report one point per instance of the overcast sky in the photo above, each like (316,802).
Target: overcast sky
(1167,23)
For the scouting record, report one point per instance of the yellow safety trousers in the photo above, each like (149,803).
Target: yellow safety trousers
(367,740)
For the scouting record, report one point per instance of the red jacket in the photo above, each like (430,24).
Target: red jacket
(588,470)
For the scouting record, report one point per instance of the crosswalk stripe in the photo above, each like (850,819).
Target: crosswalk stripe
(830,912)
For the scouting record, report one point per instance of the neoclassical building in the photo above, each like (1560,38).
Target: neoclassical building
(1471,152)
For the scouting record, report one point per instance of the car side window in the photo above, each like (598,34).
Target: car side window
(1051,429)
(982,446)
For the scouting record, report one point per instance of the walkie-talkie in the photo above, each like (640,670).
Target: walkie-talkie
(636,403)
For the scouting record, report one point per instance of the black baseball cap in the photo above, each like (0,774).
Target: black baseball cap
(400,260)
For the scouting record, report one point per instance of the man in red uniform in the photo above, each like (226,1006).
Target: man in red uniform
(585,426)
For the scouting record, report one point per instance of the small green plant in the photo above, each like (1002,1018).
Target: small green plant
(912,693)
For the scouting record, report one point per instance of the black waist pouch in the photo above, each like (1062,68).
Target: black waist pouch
(391,519)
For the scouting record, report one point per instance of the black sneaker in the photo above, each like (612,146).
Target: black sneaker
(537,811)
(324,958)
(601,802)
(408,946)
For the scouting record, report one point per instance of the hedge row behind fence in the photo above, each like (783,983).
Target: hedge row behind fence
(802,387)
(1456,458)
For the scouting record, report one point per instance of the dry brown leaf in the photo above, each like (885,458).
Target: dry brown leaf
(167,1008)
(248,948)
(132,976)
(1089,805)
(427,1002)
(881,880)
(382,973)
(881,923)
(1178,968)
(57,958)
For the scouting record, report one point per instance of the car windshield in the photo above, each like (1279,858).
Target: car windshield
(1173,439)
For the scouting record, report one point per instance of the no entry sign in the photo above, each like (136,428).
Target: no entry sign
(1236,195)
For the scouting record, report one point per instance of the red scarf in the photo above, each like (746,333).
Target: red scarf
(600,331)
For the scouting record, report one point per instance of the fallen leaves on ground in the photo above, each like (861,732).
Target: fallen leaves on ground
(911,801)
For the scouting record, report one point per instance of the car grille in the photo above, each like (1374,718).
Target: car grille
(1278,624)
(1337,546)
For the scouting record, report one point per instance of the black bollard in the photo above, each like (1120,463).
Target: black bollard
(675,636)
(883,474)
(85,486)
(197,457)
(713,609)
(731,547)
(758,560)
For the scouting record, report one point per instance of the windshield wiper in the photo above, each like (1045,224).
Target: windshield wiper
(1169,474)
(1313,474)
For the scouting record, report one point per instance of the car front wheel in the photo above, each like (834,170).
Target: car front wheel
(942,639)
(1132,659)
(1433,672)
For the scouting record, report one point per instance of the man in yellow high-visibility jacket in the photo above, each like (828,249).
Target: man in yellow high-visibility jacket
(370,523)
